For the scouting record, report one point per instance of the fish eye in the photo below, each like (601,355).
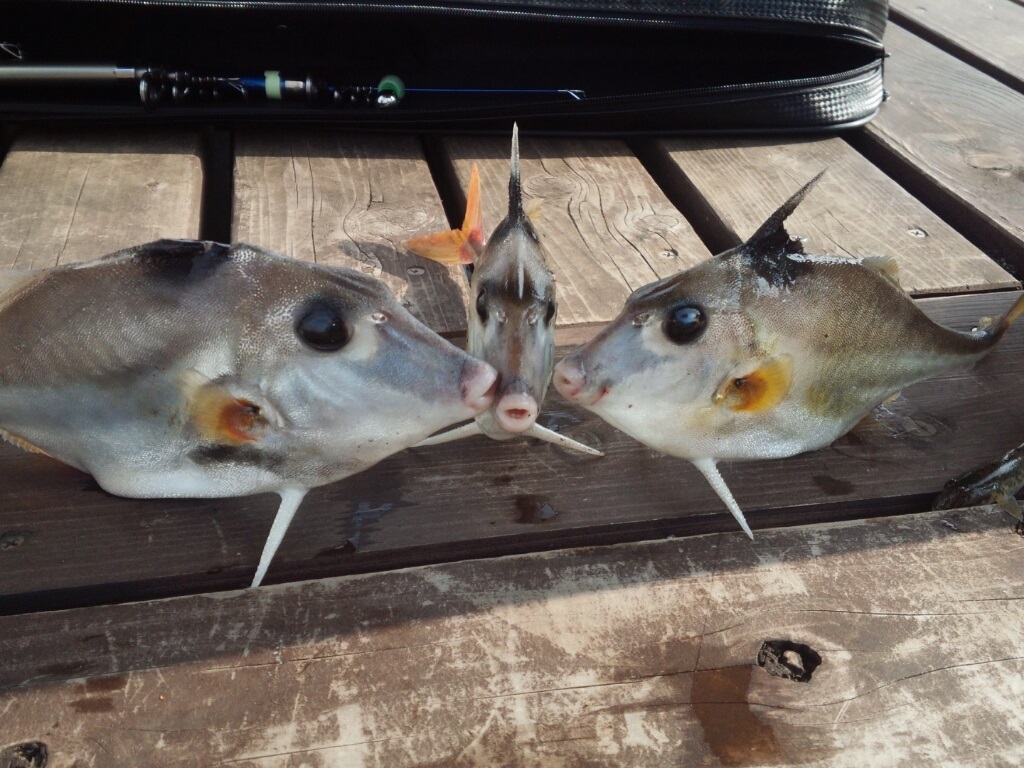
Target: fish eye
(481,306)
(322,328)
(685,324)
(550,313)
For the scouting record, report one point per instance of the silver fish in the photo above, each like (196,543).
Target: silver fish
(993,483)
(762,352)
(511,324)
(183,368)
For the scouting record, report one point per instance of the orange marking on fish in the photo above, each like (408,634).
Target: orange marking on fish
(25,445)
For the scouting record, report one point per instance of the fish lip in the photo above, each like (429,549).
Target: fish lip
(516,412)
(478,385)
(575,386)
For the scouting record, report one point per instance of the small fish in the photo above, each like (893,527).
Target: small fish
(994,483)
(511,325)
(762,352)
(183,368)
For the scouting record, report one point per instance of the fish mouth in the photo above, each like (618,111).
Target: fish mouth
(516,412)
(571,382)
(479,383)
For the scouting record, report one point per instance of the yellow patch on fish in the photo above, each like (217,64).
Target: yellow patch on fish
(759,390)
(219,416)
(456,246)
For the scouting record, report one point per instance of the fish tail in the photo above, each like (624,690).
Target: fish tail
(515,189)
(456,246)
(995,331)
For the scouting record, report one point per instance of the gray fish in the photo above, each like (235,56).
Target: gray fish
(183,368)
(993,483)
(762,352)
(511,324)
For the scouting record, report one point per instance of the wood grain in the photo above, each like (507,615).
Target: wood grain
(988,36)
(79,546)
(606,226)
(638,654)
(348,200)
(77,195)
(952,136)
(855,210)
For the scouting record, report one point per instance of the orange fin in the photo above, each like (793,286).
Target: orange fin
(25,445)
(456,246)
(218,415)
(758,391)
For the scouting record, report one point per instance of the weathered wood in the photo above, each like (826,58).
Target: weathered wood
(855,209)
(480,497)
(952,137)
(78,195)
(348,201)
(989,36)
(640,655)
(607,227)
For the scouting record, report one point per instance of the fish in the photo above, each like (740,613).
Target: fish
(511,323)
(993,483)
(187,368)
(762,352)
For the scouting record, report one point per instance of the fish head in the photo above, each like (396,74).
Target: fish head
(511,324)
(353,370)
(656,370)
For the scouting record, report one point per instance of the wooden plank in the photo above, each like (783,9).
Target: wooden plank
(640,655)
(855,210)
(952,137)
(989,36)
(607,227)
(77,195)
(348,201)
(72,545)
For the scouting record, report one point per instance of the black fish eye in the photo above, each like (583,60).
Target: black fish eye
(322,328)
(481,306)
(550,312)
(685,324)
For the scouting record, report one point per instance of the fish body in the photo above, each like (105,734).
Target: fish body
(993,483)
(511,320)
(194,369)
(762,352)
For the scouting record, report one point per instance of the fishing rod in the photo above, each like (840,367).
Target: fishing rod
(158,86)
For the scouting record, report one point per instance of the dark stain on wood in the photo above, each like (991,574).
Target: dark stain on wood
(734,733)
(105,684)
(93,705)
(533,509)
(833,486)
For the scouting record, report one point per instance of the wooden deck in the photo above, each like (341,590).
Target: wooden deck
(484,604)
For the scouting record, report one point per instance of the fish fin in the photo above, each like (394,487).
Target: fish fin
(1012,314)
(466,430)
(223,415)
(11,279)
(1009,505)
(456,246)
(709,469)
(771,239)
(886,266)
(757,390)
(550,436)
(291,498)
(515,187)
(25,445)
